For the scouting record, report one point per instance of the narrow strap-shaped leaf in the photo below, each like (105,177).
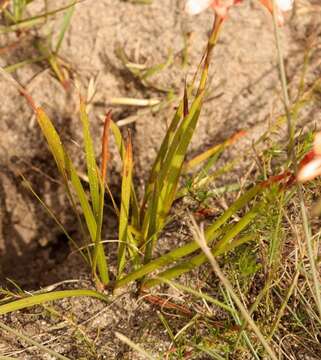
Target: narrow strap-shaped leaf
(168,192)
(232,209)
(53,140)
(67,171)
(171,169)
(105,148)
(18,9)
(200,259)
(211,233)
(51,296)
(179,142)
(32,21)
(163,151)
(121,148)
(65,25)
(99,257)
(168,165)
(180,113)
(124,207)
(197,160)
(90,158)
(150,233)
(82,198)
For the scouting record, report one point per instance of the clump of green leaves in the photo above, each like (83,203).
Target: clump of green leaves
(142,221)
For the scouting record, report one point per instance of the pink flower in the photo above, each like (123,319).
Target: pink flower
(282,6)
(221,7)
(310,166)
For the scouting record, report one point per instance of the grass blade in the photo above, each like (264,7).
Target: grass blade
(35,20)
(53,140)
(198,294)
(167,182)
(99,257)
(66,168)
(124,208)
(176,254)
(91,160)
(221,247)
(65,25)
(16,66)
(51,296)
(211,153)
(134,200)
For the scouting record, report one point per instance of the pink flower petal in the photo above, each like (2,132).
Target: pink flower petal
(310,171)
(317,143)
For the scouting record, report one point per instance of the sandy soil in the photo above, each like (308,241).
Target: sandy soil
(244,94)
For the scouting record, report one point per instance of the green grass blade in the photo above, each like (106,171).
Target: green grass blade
(158,68)
(121,148)
(211,234)
(65,25)
(197,160)
(150,226)
(91,160)
(169,175)
(51,296)
(18,7)
(179,114)
(32,21)
(14,67)
(162,152)
(198,294)
(238,204)
(99,258)
(227,240)
(82,198)
(217,250)
(67,171)
(124,208)
(172,166)
(118,139)
(65,167)
(166,326)
(53,140)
